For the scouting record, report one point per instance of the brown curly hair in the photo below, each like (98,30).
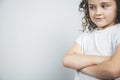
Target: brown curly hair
(87,22)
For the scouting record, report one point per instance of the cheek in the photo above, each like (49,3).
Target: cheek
(91,15)
(111,15)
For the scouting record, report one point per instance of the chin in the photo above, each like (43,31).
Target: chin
(101,25)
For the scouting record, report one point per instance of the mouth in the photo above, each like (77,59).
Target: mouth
(99,19)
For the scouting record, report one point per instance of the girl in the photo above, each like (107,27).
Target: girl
(96,52)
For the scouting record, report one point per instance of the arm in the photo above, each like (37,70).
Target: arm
(75,60)
(106,70)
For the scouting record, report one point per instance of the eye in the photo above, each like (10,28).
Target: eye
(92,7)
(104,6)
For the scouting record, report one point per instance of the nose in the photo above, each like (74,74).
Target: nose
(98,11)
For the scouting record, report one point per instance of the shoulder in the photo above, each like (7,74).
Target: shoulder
(116,35)
(83,34)
(116,31)
(117,28)
(81,37)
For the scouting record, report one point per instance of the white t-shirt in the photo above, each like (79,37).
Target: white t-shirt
(102,42)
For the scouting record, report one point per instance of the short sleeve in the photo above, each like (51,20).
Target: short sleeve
(79,39)
(116,37)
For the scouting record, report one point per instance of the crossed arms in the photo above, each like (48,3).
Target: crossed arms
(103,67)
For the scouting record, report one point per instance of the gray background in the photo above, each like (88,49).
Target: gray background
(34,36)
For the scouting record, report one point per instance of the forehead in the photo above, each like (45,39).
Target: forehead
(101,1)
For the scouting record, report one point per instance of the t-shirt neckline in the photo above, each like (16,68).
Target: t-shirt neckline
(109,28)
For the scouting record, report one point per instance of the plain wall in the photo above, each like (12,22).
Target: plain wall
(34,36)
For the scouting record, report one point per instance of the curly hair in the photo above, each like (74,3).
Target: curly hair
(87,22)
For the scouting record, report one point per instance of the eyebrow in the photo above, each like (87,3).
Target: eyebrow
(101,3)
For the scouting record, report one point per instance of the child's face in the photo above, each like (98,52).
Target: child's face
(103,12)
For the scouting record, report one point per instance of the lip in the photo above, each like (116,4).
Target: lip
(99,19)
